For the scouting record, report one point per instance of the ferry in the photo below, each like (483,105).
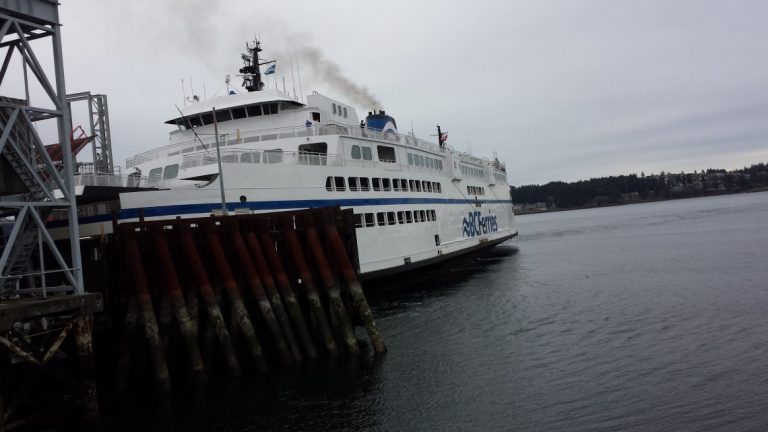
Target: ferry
(415,202)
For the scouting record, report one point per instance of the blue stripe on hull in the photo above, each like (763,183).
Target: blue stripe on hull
(182,209)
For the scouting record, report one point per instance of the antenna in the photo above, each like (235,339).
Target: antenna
(184,92)
(293,80)
(189,123)
(205,96)
(284,84)
(298,72)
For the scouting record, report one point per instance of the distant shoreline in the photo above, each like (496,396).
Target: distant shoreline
(554,210)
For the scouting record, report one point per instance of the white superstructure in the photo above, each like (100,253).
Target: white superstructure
(415,202)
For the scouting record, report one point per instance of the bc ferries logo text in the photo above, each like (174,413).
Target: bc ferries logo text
(475,224)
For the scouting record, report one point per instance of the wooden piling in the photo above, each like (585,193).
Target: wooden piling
(84,344)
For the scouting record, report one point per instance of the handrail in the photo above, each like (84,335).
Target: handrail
(290,132)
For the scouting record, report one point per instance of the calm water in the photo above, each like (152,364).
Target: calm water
(641,317)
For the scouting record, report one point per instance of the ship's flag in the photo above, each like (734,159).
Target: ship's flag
(270,70)
(444,137)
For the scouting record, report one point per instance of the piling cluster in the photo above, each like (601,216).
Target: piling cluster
(262,290)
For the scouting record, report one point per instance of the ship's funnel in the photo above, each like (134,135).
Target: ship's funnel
(381,121)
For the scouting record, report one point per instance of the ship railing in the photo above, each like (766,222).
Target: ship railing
(249,156)
(120,180)
(207,143)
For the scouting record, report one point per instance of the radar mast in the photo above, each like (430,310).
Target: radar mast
(251,71)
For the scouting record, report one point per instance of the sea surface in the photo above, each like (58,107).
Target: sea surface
(634,318)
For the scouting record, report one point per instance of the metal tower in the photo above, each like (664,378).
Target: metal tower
(99,129)
(32,185)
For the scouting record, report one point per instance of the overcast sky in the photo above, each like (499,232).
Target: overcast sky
(561,90)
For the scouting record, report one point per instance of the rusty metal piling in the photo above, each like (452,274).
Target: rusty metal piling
(179,307)
(239,313)
(272,312)
(361,304)
(147,314)
(334,293)
(211,305)
(268,248)
(313,297)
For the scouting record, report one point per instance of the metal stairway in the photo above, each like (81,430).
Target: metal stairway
(27,238)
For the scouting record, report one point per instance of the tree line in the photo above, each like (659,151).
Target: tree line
(625,189)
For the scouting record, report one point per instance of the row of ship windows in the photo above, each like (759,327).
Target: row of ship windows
(339,111)
(475,190)
(170,172)
(273,156)
(366,220)
(472,171)
(229,114)
(381,184)
(424,161)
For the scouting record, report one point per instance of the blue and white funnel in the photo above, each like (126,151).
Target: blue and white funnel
(381,121)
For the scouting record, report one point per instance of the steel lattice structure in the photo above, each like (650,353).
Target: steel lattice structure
(38,184)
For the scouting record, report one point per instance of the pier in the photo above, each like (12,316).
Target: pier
(169,303)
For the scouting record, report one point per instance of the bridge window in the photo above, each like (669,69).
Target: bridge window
(345,112)
(223,115)
(396,184)
(401,217)
(381,218)
(423,214)
(404,185)
(353,183)
(171,172)
(207,118)
(367,154)
(369,220)
(391,218)
(365,184)
(410,158)
(334,108)
(385,184)
(358,218)
(434,216)
(254,110)
(270,108)
(195,121)
(356,152)
(238,113)
(386,154)
(408,217)
(376,184)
